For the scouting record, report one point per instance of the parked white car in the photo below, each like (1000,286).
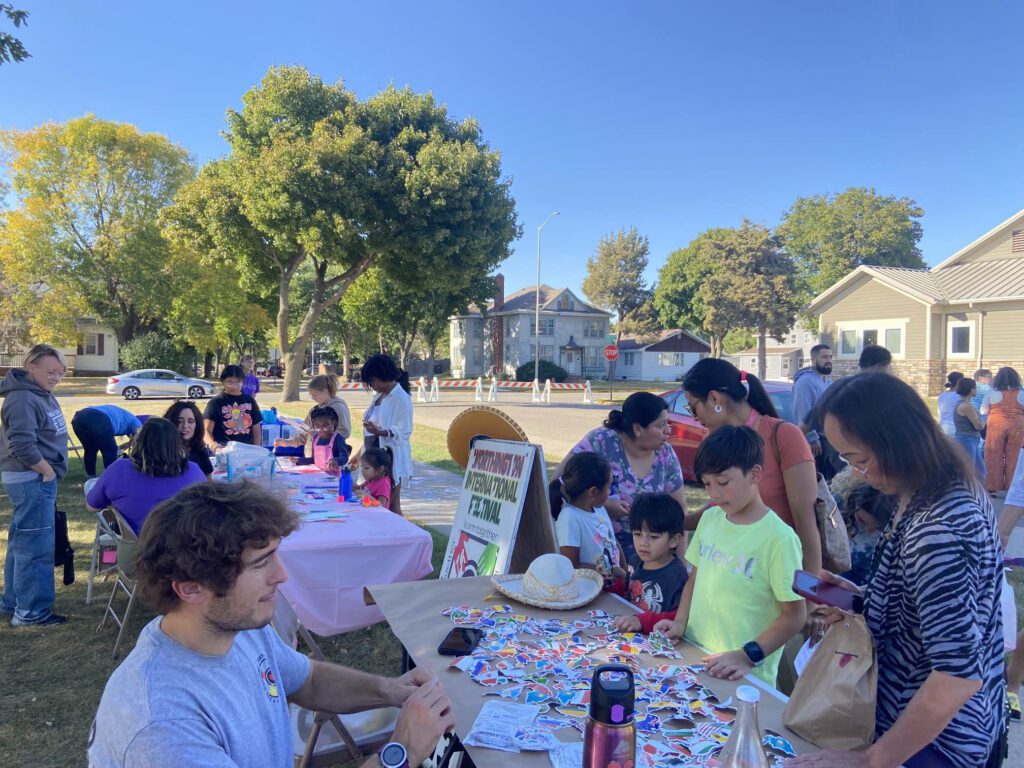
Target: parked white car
(155,382)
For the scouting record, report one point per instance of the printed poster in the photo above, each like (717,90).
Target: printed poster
(490,508)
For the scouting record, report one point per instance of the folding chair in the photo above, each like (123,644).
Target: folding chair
(104,542)
(361,734)
(126,541)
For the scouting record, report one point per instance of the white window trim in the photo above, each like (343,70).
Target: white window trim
(880,326)
(952,323)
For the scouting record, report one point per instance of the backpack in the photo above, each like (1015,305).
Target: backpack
(63,554)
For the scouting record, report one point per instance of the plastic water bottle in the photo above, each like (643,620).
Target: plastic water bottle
(610,735)
(743,749)
(345,485)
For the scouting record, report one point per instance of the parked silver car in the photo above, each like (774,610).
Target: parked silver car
(154,382)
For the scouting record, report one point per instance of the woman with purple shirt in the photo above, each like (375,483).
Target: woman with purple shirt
(634,440)
(251,382)
(155,468)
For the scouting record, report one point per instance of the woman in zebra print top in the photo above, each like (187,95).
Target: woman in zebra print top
(932,601)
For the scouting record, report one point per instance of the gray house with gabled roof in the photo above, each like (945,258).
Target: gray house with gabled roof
(500,337)
(963,314)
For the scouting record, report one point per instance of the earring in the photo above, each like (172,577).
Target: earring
(718,409)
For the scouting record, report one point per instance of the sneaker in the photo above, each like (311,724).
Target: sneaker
(51,620)
(1013,701)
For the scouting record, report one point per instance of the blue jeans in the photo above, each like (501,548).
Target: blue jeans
(972,447)
(28,569)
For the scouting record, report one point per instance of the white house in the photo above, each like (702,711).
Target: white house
(666,358)
(498,340)
(95,355)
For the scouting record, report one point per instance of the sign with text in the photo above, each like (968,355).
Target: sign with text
(611,353)
(503,519)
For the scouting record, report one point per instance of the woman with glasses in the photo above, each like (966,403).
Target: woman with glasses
(719,394)
(932,601)
(33,457)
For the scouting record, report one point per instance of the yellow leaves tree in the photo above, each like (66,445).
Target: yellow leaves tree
(83,238)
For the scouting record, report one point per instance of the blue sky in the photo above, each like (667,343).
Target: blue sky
(671,117)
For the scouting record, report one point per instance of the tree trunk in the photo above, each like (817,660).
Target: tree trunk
(431,353)
(716,345)
(344,358)
(208,364)
(762,353)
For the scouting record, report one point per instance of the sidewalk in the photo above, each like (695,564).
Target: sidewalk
(431,497)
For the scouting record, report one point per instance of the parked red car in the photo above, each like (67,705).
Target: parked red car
(687,432)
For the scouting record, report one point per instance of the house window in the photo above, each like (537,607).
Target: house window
(808,337)
(510,326)
(564,304)
(848,343)
(593,357)
(91,345)
(478,355)
(960,338)
(629,358)
(854,336)
(894,340)
(547,326)
(666,359)
(547,352)
(593,329)
(785,362)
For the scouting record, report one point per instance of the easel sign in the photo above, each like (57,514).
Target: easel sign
(503,520)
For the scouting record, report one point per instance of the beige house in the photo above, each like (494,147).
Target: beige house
(963,314)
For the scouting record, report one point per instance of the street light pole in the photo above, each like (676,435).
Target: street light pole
(536,320)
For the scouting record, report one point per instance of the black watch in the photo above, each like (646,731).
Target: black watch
(754,652)
(393,755)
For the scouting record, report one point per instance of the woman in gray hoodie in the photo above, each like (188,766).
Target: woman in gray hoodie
(33,457)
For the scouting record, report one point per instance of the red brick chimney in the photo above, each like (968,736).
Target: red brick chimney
(498,327)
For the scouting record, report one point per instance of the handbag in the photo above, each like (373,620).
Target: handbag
(63,554)
(833,702)
(835,540)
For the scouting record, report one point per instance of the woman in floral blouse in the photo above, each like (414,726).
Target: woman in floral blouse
(634,440)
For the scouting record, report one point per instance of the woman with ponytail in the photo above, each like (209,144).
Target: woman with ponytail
(719,394)
(634,440)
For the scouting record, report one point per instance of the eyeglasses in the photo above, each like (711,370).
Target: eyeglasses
(859,470)
(690,409)
(53,374)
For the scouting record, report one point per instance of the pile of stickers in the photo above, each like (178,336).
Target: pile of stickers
(547,664)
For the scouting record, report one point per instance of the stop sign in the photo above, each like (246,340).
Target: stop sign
(611,353)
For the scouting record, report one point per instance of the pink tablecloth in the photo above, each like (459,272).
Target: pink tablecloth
(329,564)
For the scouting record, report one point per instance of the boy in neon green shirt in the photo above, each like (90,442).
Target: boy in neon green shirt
(739,602)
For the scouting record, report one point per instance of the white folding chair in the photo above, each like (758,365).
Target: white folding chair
(126,543)
(357,735)
(105,541)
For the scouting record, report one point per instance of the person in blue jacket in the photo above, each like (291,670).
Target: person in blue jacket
(97,427)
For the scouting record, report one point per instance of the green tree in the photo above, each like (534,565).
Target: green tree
(737,340)
(11,48)
(155,350)
(727,280)
(84,236)
(828,237)
(677,296)
(615,277)
(754,285)
(316,176)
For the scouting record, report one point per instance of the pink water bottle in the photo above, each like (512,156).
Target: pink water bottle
(609,740)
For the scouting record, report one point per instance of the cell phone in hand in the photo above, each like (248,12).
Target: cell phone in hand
(806,584)
(460,642)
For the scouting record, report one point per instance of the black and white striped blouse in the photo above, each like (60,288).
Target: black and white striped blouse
(932,604)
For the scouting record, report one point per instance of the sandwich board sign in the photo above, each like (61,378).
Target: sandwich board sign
(503,519)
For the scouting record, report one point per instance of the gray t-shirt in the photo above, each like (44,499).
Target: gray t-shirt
(168,706)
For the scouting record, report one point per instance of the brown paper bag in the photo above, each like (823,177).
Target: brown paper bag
(833,703)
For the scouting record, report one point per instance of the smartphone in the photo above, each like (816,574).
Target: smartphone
(460,642)
(806,584)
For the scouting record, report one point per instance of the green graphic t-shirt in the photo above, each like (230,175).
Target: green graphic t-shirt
(743,573)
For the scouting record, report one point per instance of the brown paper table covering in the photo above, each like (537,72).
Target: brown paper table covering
(413,610)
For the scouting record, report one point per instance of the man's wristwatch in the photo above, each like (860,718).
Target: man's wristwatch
(393,755)
(754,653)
